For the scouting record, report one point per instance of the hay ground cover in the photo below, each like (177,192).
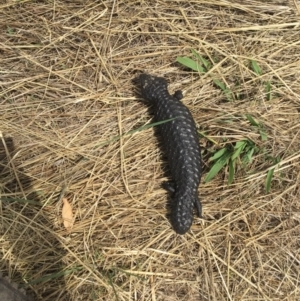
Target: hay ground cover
(67,99)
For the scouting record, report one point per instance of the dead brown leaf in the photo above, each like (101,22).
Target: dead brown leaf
(67,214)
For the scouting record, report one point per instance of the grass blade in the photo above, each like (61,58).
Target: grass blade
(252,120)
(270,173)
(220,84)
(268,89)
(218,154)
(201,59)
(263,135)
(248,156)
(256,67)
(113,286)
(269,179)
(217,166)
(223,87)
(239,144)
(207,137)
(189,63)
(231,171)
(238,150)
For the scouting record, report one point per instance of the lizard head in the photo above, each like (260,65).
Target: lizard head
(152,86)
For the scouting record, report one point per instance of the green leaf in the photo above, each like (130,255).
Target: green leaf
(223,87)
(256,67)
(189,63)
(270,173)
(250,143)
(241,143)
(220,84)
(252,120)
(10,30)
(269,179)
(248,156)
(263,135)
(231,172)
(201,59)
(238,151)
(228,94)
(217,166)
(268,89)
(218,154)
(207,137)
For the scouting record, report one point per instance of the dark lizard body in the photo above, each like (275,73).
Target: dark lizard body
(181,145)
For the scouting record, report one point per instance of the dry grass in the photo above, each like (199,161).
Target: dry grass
(65,76)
